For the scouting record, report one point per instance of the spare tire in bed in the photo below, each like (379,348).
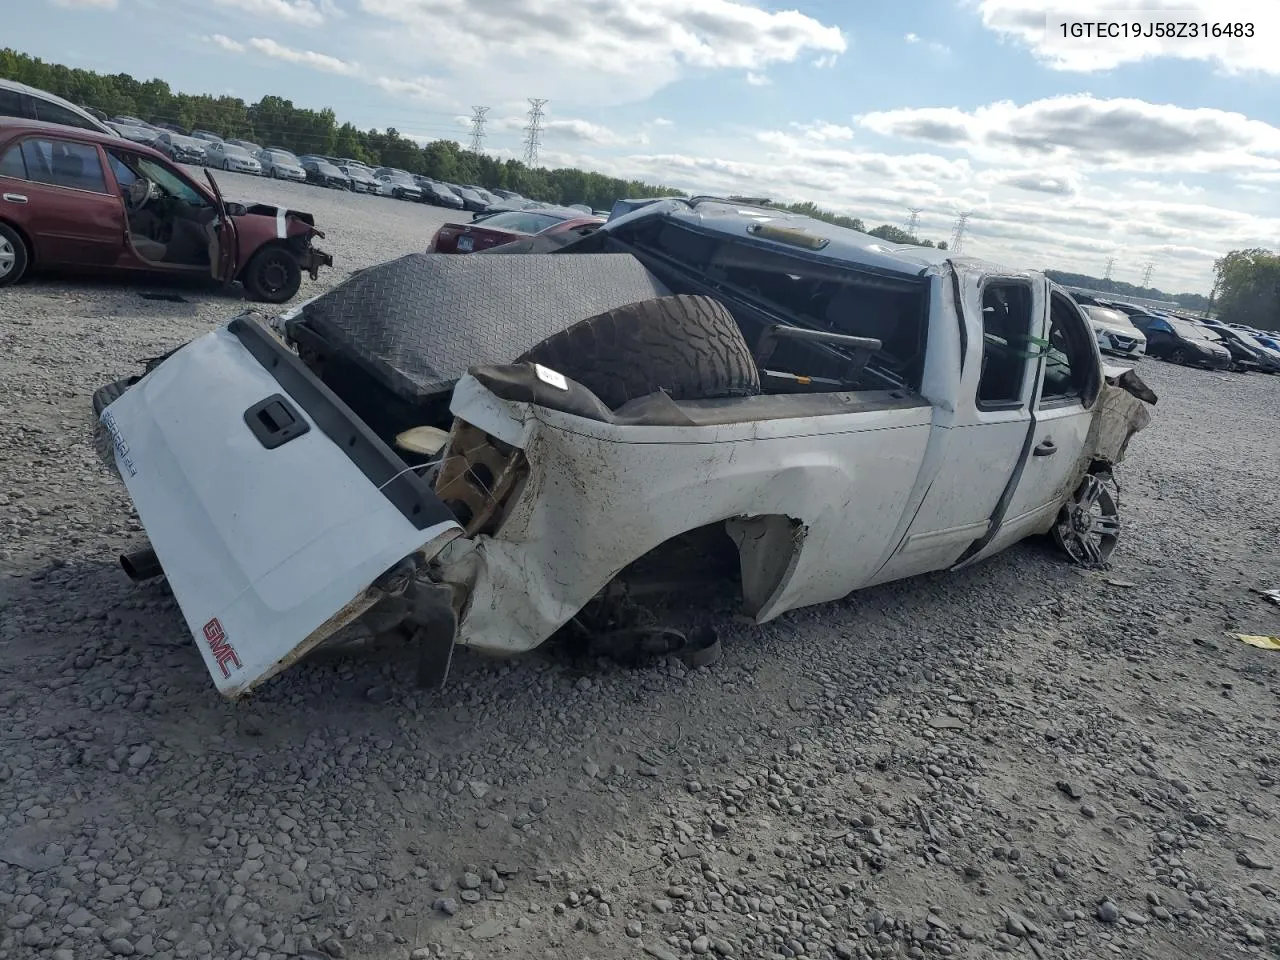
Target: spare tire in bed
(688,346)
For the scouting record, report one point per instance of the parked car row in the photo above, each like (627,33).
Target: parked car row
(1129,330)
(206,148)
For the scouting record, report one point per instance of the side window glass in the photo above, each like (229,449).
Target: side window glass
(64,164)
(52,113)
(11,104)
(12,165)
(124,176)
(1006,329)
(1068,358)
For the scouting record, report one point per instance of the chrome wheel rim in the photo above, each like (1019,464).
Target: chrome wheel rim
(1089,526)
(8,257)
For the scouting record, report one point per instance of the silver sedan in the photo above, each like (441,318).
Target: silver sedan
(281,164)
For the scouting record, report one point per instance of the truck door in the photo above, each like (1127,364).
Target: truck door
(1068,382)
(976,446)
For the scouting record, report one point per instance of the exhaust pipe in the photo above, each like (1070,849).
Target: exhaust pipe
(141,565)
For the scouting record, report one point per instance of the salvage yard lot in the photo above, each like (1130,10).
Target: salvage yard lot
(1021,756)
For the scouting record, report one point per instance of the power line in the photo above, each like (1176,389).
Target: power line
(1111,262)
(914,220)
(533,138)
(957,236)
(477,128)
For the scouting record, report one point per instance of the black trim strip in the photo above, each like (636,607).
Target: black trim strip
(1002,505)
(377,461)
(964,327)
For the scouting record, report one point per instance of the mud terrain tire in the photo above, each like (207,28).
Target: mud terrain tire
(686,345)
(103,443)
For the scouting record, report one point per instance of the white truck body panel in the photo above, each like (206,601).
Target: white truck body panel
(607,494)
(264,549)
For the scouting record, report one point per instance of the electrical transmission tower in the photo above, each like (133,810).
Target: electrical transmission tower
(533,132)
(914,220)
(477,128)
(1111,262)
(1146,274)
(957,236)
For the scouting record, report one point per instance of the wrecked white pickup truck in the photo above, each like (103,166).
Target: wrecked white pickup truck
(473,449)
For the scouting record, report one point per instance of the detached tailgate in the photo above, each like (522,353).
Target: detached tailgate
(270,505)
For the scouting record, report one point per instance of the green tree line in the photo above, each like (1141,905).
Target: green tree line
(1192,301)
(275,121)
(1247,287)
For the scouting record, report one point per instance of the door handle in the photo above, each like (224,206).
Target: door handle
(275,422)
(15,198)
(1047,449)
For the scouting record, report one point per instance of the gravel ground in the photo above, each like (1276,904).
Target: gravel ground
(1020,758)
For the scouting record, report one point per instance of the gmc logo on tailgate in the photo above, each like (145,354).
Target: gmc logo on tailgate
(222,651)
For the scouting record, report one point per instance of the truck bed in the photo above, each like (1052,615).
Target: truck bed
(416,324)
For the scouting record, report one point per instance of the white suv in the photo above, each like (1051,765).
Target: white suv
(20,100)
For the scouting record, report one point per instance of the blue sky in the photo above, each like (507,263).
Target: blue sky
(1064,153)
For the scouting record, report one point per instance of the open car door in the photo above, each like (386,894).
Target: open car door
(223,242)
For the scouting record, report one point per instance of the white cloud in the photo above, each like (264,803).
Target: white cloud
(418,88)
(1062,185)
(922,168)
(757,79)
(307,58)
(226,43)
(87,4)
(304,13)
(933,45)
(572,129)
(584,132)
(1164,187)
(662,122)
(1083,130)
(628,48)
(822,132)
(1252,188)
(428,89)
(1027,22)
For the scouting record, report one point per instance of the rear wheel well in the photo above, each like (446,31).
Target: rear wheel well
(747,558)
(25,237)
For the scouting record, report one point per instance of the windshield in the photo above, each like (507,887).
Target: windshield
(231,150)
(1192,331)
(127,166)
(280,156)
(520,221)
(1109,318)
(1248,339)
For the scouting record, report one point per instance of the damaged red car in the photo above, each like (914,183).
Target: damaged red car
(76,199)
(494,229)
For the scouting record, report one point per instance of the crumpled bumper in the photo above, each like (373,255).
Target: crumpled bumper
(314,260)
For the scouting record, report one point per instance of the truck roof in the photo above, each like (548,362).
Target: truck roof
(842,244)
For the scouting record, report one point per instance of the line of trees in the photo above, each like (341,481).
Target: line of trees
(275,121)
(1247,287)
(1192,301)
